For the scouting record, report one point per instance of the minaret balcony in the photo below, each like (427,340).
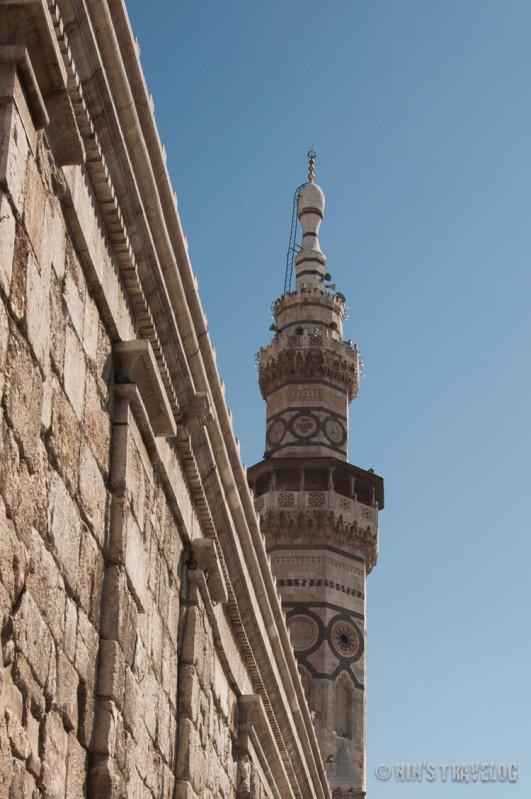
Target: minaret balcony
(350,509)
(316,501)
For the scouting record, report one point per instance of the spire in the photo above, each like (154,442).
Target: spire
(310,260)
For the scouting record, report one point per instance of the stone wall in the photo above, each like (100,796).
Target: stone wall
(144,650)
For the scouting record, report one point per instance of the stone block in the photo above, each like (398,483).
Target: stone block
(16,733)
(131,702)
(155,641)
(74,290)
(86,711)
(11,695)
(87,641)
(93,493)
(23,397)
(28,685)
(90,577)
(191,757)
(70,629)
(12,554)
(104,367)
(7,243)
(91,328)
(46,585)
(168,783)
(57,325)
(34,640)
(74,372)
(17,289)
(105,729)
(136,564)
(38,311)
(25,115)
(34,206)
(64,439)
(13,155)
(54,756)
(65,531)
(22,783)
(66,693)
(76,769)
(32,509)
(119,613)
(6,760)
(150,695)
(58,241)
(112,672)
(105,780)
(97,423)
(33,732)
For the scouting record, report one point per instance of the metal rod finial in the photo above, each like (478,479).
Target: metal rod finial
(312,155)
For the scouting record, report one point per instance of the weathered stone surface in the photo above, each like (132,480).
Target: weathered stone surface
(64,439)
(75,769)
(90,577)
(111,675)
(9,471)
(47,587)
(119,612)
(35,642)
(97,423)
(93,492)
(7,242)
(17,289)
(23,397)
(14,139)
(74,290)
(57,343)
(91,328)
(55,748)
(28,685)
(136,563)
(74,372)
(70,629)
(17,736)
(57,240)
(65,531)
(32,509)
(38,310)
(66,694)
(34,205)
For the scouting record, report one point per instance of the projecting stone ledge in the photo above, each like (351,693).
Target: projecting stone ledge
(134,362)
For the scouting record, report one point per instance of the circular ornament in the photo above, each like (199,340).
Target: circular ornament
(304,425)
(276,431)
(345,639)
(335,431)
(303,631)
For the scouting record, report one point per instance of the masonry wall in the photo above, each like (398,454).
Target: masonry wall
(90,623)
(143,649)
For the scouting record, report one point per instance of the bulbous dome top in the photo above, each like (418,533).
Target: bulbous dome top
(311,197)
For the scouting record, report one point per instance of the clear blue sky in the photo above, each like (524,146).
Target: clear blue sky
(420,111)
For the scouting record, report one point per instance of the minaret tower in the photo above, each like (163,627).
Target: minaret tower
(318,512)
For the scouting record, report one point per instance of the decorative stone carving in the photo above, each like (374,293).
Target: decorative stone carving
(339,365)
(316,526)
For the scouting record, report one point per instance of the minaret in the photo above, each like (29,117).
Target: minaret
(318,512)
